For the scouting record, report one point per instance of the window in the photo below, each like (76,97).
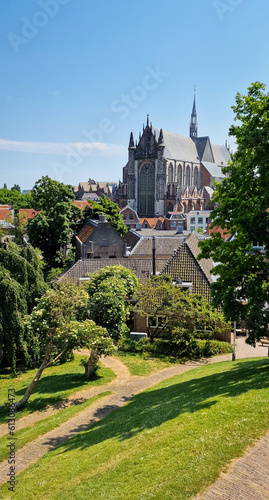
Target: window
(200,220)
(195,177)
(188,175)
(131,216)
(173,223)
(192,228)
(124,216)
(192,221)
(156,321)
(179,175)
(170,173)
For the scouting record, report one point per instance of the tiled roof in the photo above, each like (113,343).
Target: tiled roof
(27,213)
(164,246)
(132,238)
(5,214)
(185,266)
(81,204)
(86,231)
(152,221)
(142,267)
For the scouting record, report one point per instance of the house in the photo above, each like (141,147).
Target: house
(198,220)
(130,217)
(99,240)
(152,223)
(174,220)
(189,273)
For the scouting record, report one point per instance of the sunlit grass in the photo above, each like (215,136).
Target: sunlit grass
(168,442)
(28,434)
(139,364)
(57,383)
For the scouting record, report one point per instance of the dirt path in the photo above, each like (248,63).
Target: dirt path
(123,388)
(121,371)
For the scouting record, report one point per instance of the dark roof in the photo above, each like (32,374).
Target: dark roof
(204,149)
(86,231)
(142,267)
(185,266)
(132,238)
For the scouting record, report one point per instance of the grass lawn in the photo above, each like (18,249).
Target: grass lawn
(57,383)
(28,434)
(138,364)
(168,442)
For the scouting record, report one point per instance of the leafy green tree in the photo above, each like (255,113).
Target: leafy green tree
(52,228)
(16,187)
(21,283)
(111,291)
(242,200)
(15,198)
(13,307)
(181,316)
(111,211)
(60,324)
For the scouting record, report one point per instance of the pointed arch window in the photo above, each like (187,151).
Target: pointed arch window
(188,175)
(195,177)
(179,175)
(170,173)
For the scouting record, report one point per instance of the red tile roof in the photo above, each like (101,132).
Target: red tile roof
(85,232)
(81,204)
(26,213)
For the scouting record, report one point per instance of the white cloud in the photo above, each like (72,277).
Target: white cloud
(62,148)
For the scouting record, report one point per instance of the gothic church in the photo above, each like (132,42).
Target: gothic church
(167,171)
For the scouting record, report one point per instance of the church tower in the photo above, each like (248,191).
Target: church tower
(193,124)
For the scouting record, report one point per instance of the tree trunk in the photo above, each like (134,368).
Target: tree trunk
(30,388)
(90,366)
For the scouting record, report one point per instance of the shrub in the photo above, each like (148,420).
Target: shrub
(191,348)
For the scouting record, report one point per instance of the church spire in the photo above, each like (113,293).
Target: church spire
(193,124)
(131,142)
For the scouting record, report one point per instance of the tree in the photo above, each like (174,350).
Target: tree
(15,198)
(181,316)
(16,187)
(111,291)
(52,228)
(60,324)
(242,200)
(21,283)
(111,211)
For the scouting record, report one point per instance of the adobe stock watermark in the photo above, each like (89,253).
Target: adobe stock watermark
(30,27)
(222,7)
(121,107)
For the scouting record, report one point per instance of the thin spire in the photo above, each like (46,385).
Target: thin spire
(193,124)
(147,120)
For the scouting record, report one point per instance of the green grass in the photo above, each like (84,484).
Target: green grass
(139,364)
(28,434)
(57,383)
(168,442)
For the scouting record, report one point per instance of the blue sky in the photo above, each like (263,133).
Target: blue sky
(77,76)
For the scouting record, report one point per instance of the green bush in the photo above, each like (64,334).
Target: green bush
(191,348)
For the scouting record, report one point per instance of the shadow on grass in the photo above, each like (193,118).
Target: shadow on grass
(56,387)
(155,406)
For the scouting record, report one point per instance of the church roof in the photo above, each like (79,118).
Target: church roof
(213,169)
(178,147)
(221,155)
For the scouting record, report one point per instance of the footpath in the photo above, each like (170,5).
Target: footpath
(123,389)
